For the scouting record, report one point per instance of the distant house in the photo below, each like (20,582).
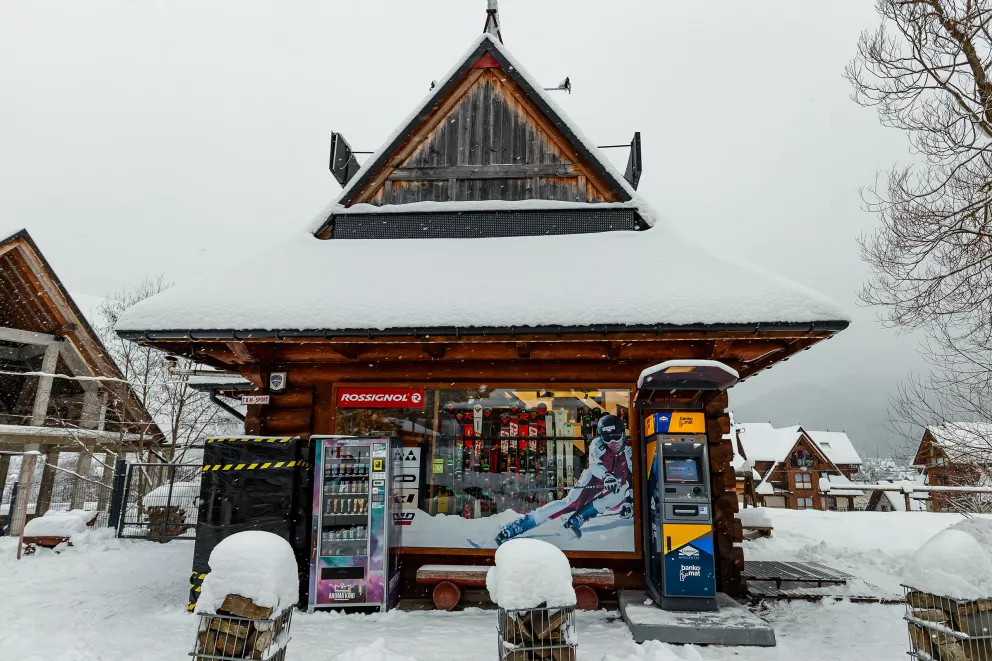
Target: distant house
(800,469)
(956,454)
(60,391)
(895,501)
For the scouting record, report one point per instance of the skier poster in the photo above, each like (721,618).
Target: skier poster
(592,513)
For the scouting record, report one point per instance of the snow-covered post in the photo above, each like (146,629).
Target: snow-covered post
(247,599)
(532,586)
(949,594)
(18,512)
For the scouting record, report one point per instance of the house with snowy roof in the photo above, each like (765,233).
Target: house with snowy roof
(487,260)
(955,454)
(60,391)
(799,469)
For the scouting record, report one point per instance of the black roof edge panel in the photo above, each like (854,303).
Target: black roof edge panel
(758,327)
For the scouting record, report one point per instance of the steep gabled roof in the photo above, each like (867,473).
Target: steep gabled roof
(486,47)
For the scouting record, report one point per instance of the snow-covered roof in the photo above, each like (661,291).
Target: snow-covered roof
(963,441)
(896,499)
(836,445)
(432,283)
(657,277)
(762,442)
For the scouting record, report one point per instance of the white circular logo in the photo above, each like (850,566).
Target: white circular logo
(416,397)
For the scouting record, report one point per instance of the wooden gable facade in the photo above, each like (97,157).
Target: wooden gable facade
(489,136)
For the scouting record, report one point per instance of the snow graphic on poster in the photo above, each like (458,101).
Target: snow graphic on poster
(605,533)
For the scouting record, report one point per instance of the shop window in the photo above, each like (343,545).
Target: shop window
(509,462)
(804,503)
(804,481)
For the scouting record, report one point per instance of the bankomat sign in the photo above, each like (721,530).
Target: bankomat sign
(381,398)
(689,566)
(675,422)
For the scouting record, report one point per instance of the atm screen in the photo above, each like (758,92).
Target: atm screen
(681,470)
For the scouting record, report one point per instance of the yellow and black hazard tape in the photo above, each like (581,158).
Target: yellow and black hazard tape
(251,439)
(195,586)
(249,467)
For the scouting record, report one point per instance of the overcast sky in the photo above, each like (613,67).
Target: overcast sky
(143,137)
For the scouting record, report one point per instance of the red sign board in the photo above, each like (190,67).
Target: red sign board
(381,398)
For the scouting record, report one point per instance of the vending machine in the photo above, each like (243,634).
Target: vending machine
(354,559)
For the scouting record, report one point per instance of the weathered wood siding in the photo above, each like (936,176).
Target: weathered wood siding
(491,145)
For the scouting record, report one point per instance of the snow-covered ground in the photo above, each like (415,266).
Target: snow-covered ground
(109,599)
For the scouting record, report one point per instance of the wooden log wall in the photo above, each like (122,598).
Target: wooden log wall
(727,531)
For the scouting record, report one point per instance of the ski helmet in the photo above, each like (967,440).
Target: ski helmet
(611,430)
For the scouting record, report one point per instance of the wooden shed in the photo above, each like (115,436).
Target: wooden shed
(488,261)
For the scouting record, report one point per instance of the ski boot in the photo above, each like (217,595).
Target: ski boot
(574,523)
(514,528)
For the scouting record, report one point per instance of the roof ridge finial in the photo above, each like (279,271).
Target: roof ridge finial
(492,20)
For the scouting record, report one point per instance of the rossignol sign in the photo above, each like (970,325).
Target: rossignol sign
(381,398)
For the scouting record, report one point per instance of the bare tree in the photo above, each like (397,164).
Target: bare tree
(183,414)
(926,71)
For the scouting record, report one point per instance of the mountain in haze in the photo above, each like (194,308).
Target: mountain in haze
(858,410)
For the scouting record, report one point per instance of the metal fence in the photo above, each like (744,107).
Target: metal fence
(58,486)
(160,501)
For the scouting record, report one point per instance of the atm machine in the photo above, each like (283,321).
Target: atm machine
(678,524)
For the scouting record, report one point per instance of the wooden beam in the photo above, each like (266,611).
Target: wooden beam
(602,373)
(613,350)
(26,337)
(435,350)
(49,363)
(511,171)
(241,352)
(523,349)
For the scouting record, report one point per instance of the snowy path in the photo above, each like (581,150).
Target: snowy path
(111,600)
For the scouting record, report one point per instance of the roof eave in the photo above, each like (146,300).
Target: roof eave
(474,331)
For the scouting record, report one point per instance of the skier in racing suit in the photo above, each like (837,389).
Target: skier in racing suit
(606,486)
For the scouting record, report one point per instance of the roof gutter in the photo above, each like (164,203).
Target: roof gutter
(477,331)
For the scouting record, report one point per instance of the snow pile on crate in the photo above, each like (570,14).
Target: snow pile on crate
(256,565)
(530,573)
(57,523)
(955,563)
(652,650)
(374,651)
(182,493)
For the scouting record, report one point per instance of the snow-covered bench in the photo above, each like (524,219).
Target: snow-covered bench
(56,527)
(448,581)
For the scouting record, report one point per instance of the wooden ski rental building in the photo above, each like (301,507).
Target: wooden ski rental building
(488,286)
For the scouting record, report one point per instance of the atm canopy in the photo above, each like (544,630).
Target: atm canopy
(692,375)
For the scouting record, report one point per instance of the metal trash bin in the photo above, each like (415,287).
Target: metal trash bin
(948,629)
(537,634)
(230,638)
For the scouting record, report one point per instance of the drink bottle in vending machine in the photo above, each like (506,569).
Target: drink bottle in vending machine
(354,559)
